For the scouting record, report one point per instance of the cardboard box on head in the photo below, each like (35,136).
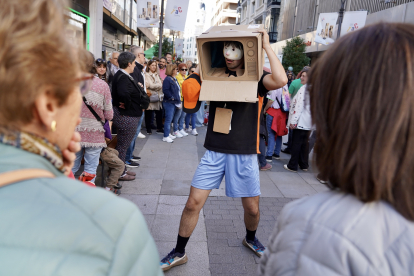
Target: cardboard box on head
(217,85)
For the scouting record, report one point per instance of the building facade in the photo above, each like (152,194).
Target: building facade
(224,13)
(265,12)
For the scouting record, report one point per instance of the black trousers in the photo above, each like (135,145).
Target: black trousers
(158,118)
(299,153)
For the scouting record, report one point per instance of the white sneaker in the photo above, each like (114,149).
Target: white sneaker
(178,134)
(167,139)
(172,137)
(183,132)
(194,132)
(140,135)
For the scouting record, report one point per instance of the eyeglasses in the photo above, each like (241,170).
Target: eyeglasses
(100,61)
(142,54)
(192,71)
(184,69)
(85,83)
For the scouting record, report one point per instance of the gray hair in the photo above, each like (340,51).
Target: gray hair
(112,54)
(134,48)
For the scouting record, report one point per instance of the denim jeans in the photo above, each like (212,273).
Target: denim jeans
(170,112)
(193,120)
(178,120)
(131,148)
(140,124)
(200,115)
(273,146)
(262,148)
(91,160)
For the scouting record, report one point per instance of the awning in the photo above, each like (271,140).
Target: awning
(150,52)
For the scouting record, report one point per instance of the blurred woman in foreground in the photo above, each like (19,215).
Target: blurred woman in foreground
(50,224)
(365,149)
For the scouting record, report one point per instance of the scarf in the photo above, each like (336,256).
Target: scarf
(35,144)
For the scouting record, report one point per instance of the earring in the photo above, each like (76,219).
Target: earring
(53,126)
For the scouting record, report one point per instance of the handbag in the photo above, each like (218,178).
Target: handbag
(154,98)
(282,107)
(105,125)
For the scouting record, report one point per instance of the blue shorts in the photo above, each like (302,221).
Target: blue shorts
(241,172)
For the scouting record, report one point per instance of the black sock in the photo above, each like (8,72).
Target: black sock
(250,235)
(181,244)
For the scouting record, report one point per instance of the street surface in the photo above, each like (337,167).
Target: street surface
(161,188)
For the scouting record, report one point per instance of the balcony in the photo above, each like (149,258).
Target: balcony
(272,37)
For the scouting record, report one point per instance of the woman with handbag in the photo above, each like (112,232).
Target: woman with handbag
(97,101)
(153,83)
(172,100)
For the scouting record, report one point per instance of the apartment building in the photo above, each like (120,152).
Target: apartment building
(265,12)
(225,13)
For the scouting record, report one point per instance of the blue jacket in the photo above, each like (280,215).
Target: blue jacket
(61,226)
(171,90)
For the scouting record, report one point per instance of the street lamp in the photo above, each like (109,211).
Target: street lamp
(341,16)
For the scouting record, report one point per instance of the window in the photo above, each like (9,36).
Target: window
(198,20)
(195,53)
(196,45)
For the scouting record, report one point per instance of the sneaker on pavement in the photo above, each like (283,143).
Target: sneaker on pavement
(287,168)
(172,137)
(131,173)
(178,134)
(160,131)
(135,158)
(266,167)
(321,180)
(275,156)
(255,246)
(167,139)
(305,170)
(183,132)
(173,259)
(194,132)
(269,159)
(126,177)
(131,164)
(140,135)
(149,133)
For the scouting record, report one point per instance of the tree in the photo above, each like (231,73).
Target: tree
(167,47)
(294,54)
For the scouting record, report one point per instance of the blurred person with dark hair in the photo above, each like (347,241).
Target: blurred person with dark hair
(162,65)
(365,148)
(168,57)
(154,90)
(126,103)
(51,224)
(189,64)
(100,65)
(138,74)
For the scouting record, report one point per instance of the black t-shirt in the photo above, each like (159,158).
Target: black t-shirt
(243,136)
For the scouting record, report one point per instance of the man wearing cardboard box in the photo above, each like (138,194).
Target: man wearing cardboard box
(232,147)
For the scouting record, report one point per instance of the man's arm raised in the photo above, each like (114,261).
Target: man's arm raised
(278,78)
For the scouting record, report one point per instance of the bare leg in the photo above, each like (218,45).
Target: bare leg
(191,211)
(251,212)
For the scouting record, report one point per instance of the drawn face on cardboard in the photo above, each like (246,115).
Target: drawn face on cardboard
(233,53)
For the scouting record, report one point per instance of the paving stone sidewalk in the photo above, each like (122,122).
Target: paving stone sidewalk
(161,189)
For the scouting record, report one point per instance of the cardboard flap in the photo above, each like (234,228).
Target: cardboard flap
(229,91)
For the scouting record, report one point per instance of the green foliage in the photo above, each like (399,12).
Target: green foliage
(294,55)
(167,47)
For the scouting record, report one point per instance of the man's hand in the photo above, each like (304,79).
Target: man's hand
(265,38)
(69,154)
(122,105)
(293,126)
(140,84)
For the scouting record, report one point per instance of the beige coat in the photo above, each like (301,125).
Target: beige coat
(153,83)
